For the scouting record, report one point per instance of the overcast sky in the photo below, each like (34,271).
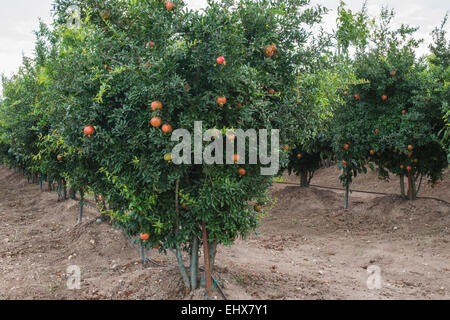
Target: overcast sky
(18,19)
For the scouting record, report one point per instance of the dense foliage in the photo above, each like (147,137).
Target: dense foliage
(393,120)
(110,89)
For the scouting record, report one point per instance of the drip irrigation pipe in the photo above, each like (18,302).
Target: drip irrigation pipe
(216,283)
(362,191)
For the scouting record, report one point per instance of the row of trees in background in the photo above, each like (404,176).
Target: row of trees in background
(380,107)
(94,109)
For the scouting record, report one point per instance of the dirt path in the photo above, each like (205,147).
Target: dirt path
(309,248)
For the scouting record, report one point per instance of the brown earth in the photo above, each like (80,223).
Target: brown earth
(308,247)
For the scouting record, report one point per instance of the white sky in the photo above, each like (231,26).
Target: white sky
(18,19)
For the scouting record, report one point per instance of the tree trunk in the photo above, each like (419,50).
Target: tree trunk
(347,192)
(72,194)
(411,187)
(418,187)
(304,179)
(58,190)
(142,255)
(194,264)
(207,262)
(80,212)
(212,258)
(402,185)
(64,189)
(182,268)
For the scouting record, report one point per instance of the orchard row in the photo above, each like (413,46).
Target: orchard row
(95,108)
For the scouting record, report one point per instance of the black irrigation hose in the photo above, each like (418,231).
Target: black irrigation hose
(362,191)
(216,283)
(437,199)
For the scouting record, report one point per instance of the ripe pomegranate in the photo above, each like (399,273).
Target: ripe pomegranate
(409,168)
(286,147)
(89,130)
(345,93)
(299,156)
(221,60)
(150,45)
(344,163)
(166,128)
(221,101)
(377,131)
(410,147)
(346,147)
(357,96)
(384,97)
(271,91)
(169,5)
(236,158)
(372,152)
(403,111)
(393,73)
(156,105)
(268,51)
(144,236)
(156,122)
(242,172)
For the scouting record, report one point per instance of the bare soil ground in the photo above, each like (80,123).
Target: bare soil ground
(308,247)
